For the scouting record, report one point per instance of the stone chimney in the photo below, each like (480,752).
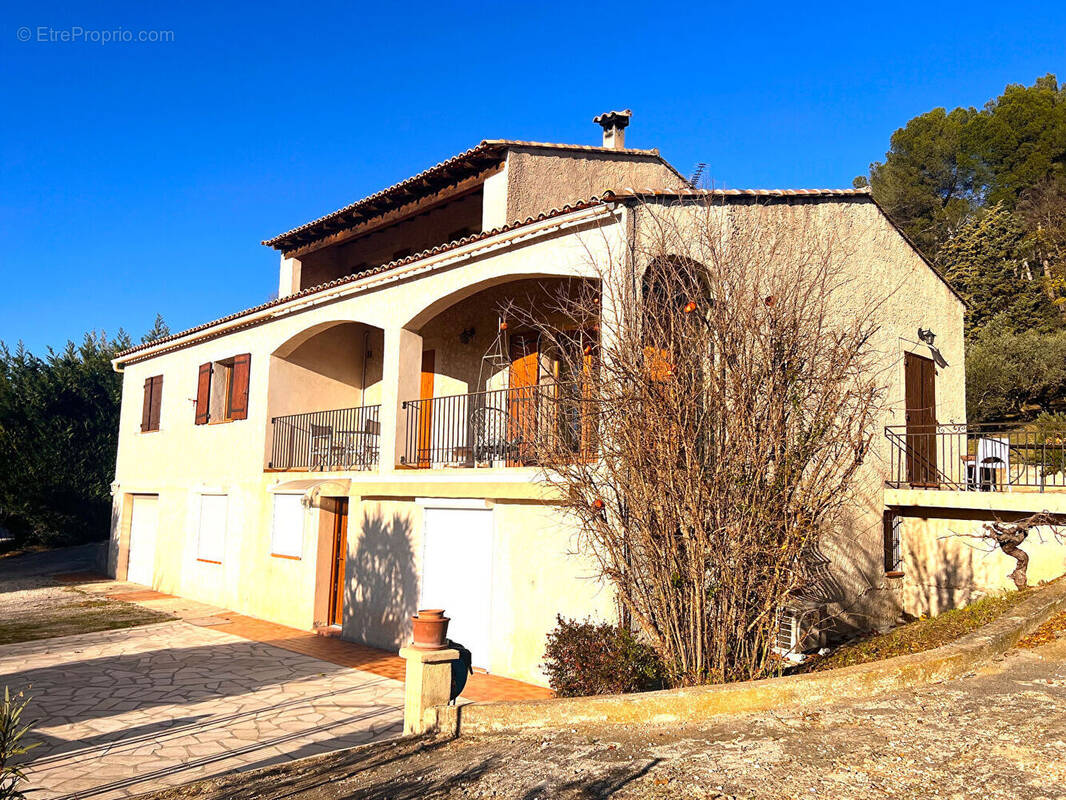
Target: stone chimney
(614,128)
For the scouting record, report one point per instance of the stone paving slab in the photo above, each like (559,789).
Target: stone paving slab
(128,711)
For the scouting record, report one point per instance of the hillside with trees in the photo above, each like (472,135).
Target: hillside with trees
(983,194)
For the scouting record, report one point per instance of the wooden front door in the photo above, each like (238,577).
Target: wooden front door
(920,397)
(425,408)
(340,556)
(522,397)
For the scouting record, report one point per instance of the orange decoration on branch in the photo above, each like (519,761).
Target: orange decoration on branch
(690,307)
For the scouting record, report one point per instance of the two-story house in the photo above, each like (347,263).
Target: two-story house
(339,456)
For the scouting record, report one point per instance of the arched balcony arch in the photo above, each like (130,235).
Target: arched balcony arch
(323,398)
(486,379)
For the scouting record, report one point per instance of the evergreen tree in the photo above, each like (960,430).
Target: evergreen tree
(159,330)
(985,262)
(58,439)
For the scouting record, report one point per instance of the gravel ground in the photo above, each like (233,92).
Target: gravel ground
(994,735)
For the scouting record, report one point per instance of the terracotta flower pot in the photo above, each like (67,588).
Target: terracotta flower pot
(429,628)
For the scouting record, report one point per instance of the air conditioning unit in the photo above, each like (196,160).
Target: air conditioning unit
(787,641)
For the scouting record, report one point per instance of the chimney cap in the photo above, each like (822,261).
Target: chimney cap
(613,119)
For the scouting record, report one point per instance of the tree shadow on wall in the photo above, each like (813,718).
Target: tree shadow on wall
(382,585)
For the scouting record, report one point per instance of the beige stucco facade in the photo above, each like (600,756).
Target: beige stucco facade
(362,341)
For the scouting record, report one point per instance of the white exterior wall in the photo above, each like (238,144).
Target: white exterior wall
(535,578)
(182,460)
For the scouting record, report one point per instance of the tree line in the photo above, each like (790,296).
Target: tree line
(983,194)
(58,438)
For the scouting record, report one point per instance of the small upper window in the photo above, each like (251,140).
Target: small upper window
(222,390)
(287,534)
(153,401)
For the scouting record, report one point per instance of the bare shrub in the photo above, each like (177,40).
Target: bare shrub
(706,439)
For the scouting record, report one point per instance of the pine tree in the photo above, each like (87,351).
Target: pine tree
(159,330)
(985,262)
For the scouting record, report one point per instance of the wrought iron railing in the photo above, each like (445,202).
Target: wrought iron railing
(501,427)
(982,458)
(340,439)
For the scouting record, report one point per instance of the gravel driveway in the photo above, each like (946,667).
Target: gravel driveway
(999,735)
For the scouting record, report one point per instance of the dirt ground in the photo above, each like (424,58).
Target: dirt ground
(994,735)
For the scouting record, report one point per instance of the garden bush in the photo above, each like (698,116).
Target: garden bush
(585,658)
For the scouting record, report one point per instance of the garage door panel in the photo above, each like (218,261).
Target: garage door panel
(457,574)
(144,528)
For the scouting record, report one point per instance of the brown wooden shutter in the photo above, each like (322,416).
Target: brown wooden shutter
(146,406)
(203,395)
(157,402)
(238,396)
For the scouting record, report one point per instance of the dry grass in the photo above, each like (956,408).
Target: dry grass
(919,636)
(81,614)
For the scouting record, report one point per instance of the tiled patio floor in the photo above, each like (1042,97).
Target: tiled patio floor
(479,688)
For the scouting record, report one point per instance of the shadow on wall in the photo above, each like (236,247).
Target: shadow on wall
(940,572)
(382,585)
(852,592)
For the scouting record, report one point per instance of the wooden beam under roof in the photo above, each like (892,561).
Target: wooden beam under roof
(426,202)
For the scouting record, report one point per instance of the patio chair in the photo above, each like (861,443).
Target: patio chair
(490,427)
(992,463)
(320,450)
(358,449)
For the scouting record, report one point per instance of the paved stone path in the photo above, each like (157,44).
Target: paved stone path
(124,712)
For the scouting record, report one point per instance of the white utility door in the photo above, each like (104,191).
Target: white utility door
(144,525)
(457,574)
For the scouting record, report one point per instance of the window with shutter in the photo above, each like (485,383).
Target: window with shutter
(211,537)
(203,394)
(222,391)
(287,534)
(237,402)
(152,405)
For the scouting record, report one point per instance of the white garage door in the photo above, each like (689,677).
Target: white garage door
(457,574)
(144,524)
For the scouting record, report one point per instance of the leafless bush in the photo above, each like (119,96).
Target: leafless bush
(705,440)
(1009,537)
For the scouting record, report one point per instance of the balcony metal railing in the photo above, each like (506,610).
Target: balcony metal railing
(501,427)
(341,439)
(983,458)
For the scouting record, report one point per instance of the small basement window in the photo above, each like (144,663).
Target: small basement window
(211,536)
(287,532)
(892,524)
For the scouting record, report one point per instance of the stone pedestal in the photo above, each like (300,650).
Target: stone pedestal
(427,683)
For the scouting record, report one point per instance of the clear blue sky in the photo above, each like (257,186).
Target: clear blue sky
(140,178)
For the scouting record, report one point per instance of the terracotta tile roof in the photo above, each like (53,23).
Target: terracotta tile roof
(441,248)
(727,193)
(464,165)
(605,197)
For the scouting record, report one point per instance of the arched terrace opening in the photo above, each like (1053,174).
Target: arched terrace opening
(489,377)
(324,399)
